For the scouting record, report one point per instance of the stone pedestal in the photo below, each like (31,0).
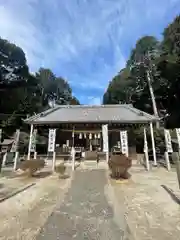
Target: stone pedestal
(119,165)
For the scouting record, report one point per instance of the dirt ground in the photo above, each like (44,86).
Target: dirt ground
(151,201)
(23,215)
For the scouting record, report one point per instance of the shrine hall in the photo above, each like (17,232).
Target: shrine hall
(80,126)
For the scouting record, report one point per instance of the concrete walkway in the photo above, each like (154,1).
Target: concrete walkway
(85,213)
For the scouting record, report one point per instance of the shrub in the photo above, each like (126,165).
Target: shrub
(31,166)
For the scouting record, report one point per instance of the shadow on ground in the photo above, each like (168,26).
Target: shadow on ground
(121,178)
(172,194)
(42,174)
(9,173)
(65,176)
(12,174)
(78,165)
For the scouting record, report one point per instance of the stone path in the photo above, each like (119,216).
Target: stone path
(85,213)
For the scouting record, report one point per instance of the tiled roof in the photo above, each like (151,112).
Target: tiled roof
(123,113)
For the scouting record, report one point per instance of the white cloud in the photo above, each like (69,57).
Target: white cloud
(84,41)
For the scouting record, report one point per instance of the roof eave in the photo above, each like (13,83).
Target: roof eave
(95,121)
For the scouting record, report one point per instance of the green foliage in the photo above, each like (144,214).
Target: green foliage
(22,93)
(138,134)
(162,61)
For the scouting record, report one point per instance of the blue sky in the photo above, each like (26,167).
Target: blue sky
(85,41)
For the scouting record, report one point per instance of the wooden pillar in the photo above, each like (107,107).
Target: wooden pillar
(105,141)
(35,155)
(16,160)
(177,159)
(14,148)
(168,148)
(54,161)
(51,146)
(73,153)
(73,137)
(153,144)
(146,150)
(30,142)
(4,159)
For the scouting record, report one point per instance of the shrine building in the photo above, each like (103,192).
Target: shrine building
(80,126)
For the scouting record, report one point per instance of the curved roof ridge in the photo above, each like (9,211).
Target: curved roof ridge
(140,112)
(42,114)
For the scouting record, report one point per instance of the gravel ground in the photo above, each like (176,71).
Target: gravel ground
(151,212)
(85,212)
(23,215)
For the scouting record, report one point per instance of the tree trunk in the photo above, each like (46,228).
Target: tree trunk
(152,98)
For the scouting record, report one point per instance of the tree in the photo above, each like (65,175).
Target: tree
(17,86)
(132,85)
(23,93)
(119,89)
(53,88)
(171,40)
(169,67)
(159,71)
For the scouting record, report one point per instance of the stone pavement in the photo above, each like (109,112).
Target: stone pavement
(85,212)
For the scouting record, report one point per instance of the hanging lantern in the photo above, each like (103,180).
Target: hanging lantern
(90,136)
(95,136)
(80,136)
(84,135)
(99,135)
(73,134)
